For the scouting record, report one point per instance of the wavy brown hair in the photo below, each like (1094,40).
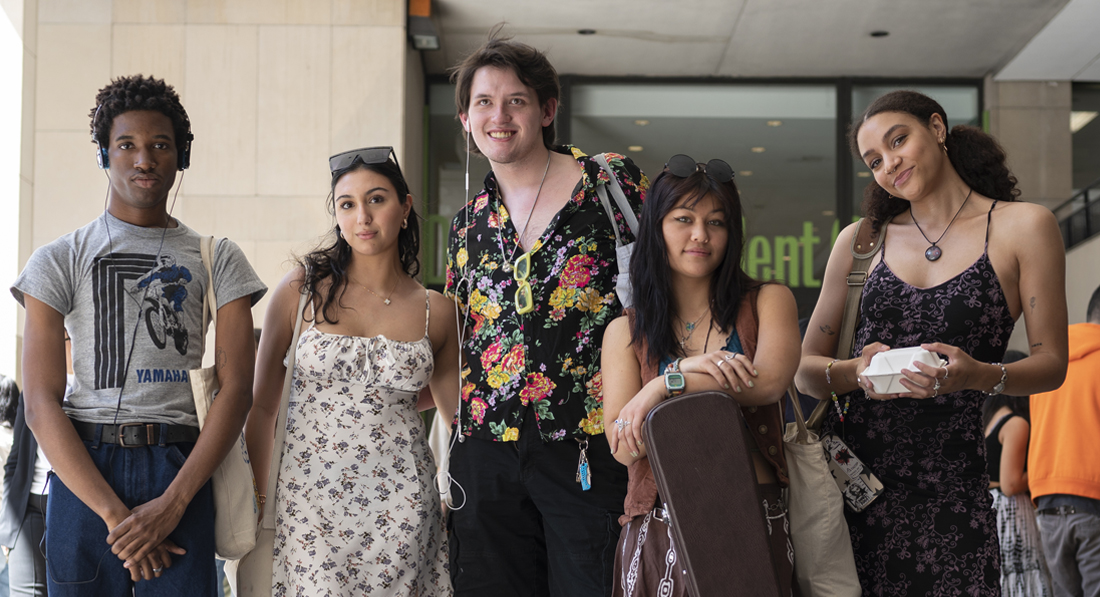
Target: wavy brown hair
(976,156)
(331,259)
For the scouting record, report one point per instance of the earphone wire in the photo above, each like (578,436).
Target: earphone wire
(444,480)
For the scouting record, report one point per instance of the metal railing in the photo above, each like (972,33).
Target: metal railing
(1079,218)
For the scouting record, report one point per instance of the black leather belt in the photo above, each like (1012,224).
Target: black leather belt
(136,435)
(1058,510)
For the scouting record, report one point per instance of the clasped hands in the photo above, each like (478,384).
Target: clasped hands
(733,372)
(926,381)
(141,541)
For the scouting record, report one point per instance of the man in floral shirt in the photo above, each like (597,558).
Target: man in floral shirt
(532,265)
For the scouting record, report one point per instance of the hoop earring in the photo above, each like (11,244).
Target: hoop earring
(405,223)
(943,146)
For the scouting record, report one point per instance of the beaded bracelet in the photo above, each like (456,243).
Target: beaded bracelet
(836,401)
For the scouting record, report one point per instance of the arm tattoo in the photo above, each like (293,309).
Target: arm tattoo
(1036,344)
(1032,303)
(219,359)
(827,330)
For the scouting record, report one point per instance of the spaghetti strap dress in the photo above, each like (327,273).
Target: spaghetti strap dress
(357,511)
(933,531)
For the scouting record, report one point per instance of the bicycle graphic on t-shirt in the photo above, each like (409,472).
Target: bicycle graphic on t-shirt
(164,296)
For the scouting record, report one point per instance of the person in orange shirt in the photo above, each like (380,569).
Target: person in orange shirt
(1064,474)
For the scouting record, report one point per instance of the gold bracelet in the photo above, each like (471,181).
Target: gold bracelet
(262,499)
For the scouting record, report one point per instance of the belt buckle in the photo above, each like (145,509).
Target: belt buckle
(148,435)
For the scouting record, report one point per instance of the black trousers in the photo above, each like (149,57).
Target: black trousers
(527,528)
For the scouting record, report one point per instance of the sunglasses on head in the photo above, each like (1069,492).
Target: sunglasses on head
(367,155)
(684,166)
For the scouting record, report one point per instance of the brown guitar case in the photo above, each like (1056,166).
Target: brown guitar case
(699,450)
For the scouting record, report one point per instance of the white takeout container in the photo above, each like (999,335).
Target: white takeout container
(885,369)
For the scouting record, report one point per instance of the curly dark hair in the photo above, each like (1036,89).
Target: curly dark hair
(331,259)
(976,156)
(9,400)
(649,267)
(531,66)
(138,92)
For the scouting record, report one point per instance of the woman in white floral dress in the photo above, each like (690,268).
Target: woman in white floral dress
(357,509)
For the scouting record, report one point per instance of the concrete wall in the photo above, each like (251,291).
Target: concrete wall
(1031,120)
(272,87)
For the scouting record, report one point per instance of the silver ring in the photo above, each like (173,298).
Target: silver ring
(158,570)
(730,357)
(945,372)
(621,424)
(719,362)
(936,386)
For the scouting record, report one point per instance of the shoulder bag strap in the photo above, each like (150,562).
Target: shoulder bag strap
(617,193)
(865,244)
(280,423)
(210,301)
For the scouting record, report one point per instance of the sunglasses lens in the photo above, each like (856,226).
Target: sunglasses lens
(522,267)
(524,302)
(719,170)
(681,165)
(368,155)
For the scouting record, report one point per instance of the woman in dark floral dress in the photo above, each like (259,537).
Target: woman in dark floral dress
(953,277)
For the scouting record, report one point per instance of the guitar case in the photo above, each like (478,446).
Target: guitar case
(699,450)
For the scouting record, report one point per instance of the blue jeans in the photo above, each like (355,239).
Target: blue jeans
(79,560)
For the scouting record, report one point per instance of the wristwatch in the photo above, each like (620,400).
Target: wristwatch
(1000,387)
(674,383)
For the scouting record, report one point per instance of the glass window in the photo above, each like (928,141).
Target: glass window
(446,179)
(1086,134)
(780,140)
(960,102)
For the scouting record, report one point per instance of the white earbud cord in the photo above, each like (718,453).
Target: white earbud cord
(444,480)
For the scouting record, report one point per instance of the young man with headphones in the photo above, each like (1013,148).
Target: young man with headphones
(532,263)
(130,470)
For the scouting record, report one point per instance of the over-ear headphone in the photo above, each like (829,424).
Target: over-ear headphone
(183,159)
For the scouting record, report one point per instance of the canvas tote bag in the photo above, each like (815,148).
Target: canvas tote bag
(251,575)
(234,488)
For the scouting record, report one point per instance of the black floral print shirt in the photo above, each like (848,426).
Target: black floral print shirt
(548,359)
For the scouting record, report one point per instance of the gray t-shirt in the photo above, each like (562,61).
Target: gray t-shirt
(126,297)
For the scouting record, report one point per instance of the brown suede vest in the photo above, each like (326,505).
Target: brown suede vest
(766,422)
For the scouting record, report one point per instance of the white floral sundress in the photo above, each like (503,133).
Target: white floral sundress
(357,511)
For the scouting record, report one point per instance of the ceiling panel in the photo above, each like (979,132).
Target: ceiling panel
(1067,48)
(768,38)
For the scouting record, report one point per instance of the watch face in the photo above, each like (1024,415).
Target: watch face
(674,381)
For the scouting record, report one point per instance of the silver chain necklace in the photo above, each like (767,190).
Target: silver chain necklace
(933,253)
(507,267)
(690,326)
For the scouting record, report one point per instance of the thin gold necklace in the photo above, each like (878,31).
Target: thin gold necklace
(385,300)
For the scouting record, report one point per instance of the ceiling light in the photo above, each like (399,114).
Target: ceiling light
(863,174)
(879,33)
(758,150)
(774,123)
(1078,120)
(745,173)
(641,122)
(586,31)
(635,148)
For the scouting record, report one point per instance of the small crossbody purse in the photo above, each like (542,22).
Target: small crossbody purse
(857,483)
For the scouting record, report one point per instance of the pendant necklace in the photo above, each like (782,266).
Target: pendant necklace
(507,267)
(690,327)
(385,300)
(933,253)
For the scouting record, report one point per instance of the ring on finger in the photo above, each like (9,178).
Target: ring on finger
(945,372)
(936,386)
(158,570)
(720,362)
(730,357)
